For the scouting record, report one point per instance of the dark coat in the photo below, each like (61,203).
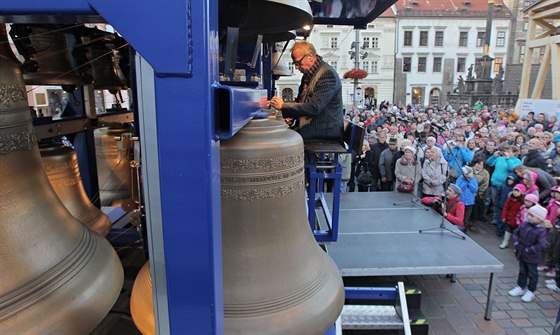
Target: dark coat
(321,100)
(377,149)
(529,241)
(534,159)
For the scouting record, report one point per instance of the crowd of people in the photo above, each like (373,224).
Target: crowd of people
(474,164)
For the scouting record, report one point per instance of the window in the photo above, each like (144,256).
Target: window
(407,62)
(373,66)
(480,38)
(521,53)
(408,38)
(334,42)
(421,64)
(375,42)
(525,26)
(439,39)
(501,39)
(461,62)
(366,41)
(437,64)
(497,63)
(463,38)
(423,39)
(334,65)
(365,65)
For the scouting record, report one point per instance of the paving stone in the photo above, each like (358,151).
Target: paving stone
(540,322)
(518,314)
(517,305)
(534,314)
(505,323)
(536,331)
(457,322)
(550,313)
(548,304)
(441,327)
(516,331)
(487,326)
(498,315)
(503,306)
(545,297)
(430,308)
(522,323)
(444,298)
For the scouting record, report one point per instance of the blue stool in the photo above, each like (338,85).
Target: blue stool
(324,166)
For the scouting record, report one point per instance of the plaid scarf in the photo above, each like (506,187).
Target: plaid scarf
(308,75)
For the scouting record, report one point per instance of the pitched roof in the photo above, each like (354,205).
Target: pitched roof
(450,8)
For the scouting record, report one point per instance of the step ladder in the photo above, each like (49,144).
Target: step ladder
(379,317)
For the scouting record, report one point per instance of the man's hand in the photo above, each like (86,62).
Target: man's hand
(276,102)
(443,212)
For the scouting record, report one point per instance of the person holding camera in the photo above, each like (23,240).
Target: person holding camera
(452,208)
(457,155)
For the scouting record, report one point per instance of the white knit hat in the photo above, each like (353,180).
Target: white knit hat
(538,211)
(411,149)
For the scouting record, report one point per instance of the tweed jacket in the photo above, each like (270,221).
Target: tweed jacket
(319,99)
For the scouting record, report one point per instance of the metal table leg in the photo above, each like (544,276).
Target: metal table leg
(490,298)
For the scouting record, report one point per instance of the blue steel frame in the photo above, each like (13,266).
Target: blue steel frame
(179,40)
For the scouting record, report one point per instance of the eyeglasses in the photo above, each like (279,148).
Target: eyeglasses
(298,62)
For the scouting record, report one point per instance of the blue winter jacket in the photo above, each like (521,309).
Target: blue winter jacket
(468,187)
(529,241)
(457,158)
(502,167)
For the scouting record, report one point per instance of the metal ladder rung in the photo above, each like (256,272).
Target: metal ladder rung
(370,317)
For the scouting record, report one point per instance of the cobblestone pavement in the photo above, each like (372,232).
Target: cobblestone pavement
(458,308)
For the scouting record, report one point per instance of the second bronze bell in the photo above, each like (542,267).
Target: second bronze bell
(61,164)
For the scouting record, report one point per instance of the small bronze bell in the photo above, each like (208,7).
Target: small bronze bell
(57,276)
(113,145)
(61,165)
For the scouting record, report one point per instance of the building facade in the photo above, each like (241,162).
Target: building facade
(439,42)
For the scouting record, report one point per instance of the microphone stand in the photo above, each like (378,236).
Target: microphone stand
(442,228)
(414,199)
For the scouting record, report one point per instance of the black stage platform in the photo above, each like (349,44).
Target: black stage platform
(377,238)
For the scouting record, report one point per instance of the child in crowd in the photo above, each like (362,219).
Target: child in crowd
(529,201)
(529,241)
(552,235)
(505,190)
(468,185)
(509,213)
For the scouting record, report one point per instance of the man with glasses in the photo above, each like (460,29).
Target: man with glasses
(318,106)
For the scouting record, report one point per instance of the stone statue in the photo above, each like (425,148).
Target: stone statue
(498,82)
(478,69)
(461,84)
(470,73)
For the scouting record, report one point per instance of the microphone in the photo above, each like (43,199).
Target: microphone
(439,126)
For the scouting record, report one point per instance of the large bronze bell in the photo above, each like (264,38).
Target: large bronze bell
(276,279)
(61,165)
(113,145)
(56,277)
